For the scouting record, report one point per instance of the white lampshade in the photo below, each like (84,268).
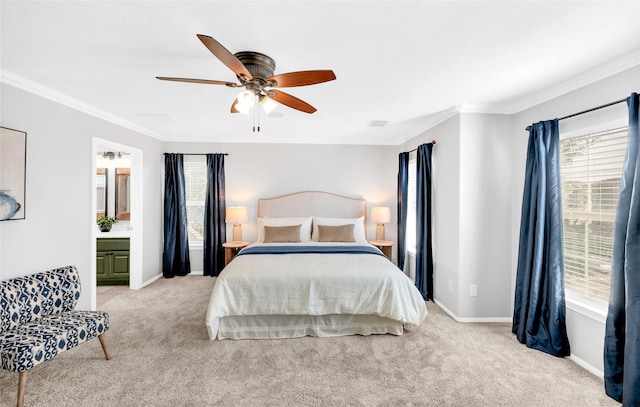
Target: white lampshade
(268,104)
(246,98)
(236,214)
(381,214)
(245,102)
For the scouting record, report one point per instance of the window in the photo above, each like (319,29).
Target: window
(195,185)
(591,169)
(410,233)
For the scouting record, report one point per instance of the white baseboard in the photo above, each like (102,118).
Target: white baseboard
(587,366)
(580,362)
(474,319)
(151,280)
(157,276)
(445,309)
(496,320)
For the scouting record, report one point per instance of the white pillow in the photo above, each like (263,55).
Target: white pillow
(305,228)
(358,229)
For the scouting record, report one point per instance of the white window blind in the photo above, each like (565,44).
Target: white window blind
(591,169)
(195,180)
(410,234)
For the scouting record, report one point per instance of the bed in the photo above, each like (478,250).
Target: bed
(311,272)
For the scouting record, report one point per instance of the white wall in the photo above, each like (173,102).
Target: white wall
(254,171)
(446,208)
(586,334)
(485,192)
(59,217)
(471,195)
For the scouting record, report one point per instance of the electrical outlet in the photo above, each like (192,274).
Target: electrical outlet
(473,290)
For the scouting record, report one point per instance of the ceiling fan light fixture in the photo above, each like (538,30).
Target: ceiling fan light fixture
(267,104)
(109,155)
(246,98)
(243,108)
(246,101)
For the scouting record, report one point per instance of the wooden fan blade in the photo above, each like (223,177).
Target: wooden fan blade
(302,78)
(291,101)
(233,107)
(205,81)
(225,56)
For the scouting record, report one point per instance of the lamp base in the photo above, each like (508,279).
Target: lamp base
(380,231)
(237,232)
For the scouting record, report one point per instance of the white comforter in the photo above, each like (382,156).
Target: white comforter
(314,284)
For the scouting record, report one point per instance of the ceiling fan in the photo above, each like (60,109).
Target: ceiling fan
(255,73)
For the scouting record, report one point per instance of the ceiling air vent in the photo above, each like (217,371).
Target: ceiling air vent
(377,123)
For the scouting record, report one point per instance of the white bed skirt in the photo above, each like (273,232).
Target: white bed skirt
(296,326)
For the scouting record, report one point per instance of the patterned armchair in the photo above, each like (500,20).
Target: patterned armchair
(38,321)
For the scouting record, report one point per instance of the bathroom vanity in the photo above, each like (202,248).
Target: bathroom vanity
(112,261)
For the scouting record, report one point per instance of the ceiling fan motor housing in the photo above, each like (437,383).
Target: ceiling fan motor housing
(260,66)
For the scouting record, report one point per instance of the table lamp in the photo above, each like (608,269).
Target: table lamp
(237,215)
(380,215)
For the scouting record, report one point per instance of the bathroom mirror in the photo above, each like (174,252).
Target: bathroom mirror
(101,192)
(122,193)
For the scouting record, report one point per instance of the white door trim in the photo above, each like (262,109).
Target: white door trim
(136,222)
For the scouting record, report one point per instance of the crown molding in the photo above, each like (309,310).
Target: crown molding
(430,122)
(481,108)
(17,81)
(599,73)
(592,76)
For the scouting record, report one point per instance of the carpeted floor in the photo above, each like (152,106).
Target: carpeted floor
(162,357)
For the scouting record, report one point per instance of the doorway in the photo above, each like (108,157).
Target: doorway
(135,214)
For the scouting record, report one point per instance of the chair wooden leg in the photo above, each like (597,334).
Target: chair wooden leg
(105,348)
(22,384)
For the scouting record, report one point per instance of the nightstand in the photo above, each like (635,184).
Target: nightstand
(231,249)
(384,245)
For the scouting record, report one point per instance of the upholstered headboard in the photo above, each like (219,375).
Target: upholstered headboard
(312,203)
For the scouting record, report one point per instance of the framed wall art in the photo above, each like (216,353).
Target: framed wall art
(13,160)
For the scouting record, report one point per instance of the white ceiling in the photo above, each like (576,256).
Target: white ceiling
(409,63)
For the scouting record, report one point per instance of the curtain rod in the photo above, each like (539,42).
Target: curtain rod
(587,111)
(193,153)
(416,149)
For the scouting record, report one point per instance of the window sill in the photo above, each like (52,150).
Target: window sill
(593,309)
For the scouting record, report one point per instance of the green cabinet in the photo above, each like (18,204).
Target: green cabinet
(112,261)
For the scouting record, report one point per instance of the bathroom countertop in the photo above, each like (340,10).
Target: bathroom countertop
(113,234)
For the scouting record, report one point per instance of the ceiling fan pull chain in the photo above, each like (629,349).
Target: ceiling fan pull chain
(256,115)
